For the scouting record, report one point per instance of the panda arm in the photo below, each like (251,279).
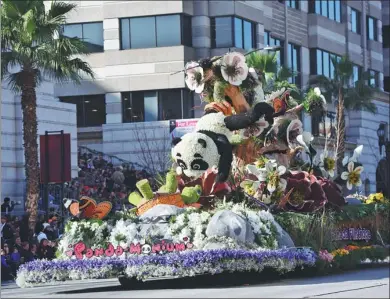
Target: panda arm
(244,120)
(225,150)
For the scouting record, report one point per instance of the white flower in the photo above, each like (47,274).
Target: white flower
(352,176)
(194,76)
(295,125)
(327,164)
(317,91)
(356,154)
(234,68)
(305,139)
(250,187)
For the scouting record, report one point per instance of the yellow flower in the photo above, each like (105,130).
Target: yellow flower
(340,252)
(375,198)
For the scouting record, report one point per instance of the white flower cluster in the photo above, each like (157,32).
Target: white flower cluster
(123,233)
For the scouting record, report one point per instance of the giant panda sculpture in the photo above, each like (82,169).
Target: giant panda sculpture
(210,144)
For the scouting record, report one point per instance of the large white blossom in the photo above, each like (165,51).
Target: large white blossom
(234,68)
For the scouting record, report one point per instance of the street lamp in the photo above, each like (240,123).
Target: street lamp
(381,137)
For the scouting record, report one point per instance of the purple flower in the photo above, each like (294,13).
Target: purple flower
(111,267)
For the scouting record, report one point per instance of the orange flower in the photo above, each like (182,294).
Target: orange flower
(351,247)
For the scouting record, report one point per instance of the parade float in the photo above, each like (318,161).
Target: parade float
(247,192)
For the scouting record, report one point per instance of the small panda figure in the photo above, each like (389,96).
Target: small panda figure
(210,144)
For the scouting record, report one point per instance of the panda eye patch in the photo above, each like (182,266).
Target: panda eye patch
(181,163)
(198,156)
(199,164)
(178,155)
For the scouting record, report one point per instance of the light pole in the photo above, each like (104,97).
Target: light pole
(384,174)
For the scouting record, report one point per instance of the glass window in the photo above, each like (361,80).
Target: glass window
(331,10)
(170,105)
(156,31)
(223,32)
(188,103)
(248,35)
(125,33)
(238,30)
(91,110)
(355,21)
(168,30)
(324,8)
(317,9)
(187,31)
(74,30)
(93,36)
(133,106)
(90,33)
(294,62)
(356,73)
(374,78)
(386,84)
(371,29)
(293,4)
(242,33)
(332,56)
(326,64)
(143,32)
(319,62)
(337,5)
(266,38)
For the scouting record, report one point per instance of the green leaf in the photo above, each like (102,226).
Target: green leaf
(29,22)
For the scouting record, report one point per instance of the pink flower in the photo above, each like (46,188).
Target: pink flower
(325,256)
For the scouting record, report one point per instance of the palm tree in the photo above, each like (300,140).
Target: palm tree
(34,48)
(273,76)
(349,95)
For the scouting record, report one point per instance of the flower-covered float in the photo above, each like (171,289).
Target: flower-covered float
(247,191)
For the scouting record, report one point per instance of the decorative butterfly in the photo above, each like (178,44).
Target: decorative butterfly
(87,208)
(280,103)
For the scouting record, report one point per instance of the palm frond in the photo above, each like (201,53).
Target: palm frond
(58,10)
(263,62)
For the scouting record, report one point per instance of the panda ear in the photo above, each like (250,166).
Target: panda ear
(202,142)
(176,141)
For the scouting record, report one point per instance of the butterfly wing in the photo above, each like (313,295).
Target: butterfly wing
(102,210)
(74,209)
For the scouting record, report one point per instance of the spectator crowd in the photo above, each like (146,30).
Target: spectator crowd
(19,245)
(97,178)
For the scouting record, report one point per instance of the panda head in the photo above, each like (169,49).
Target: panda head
(195,153)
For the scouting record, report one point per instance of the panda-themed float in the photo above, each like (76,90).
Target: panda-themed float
(216,211)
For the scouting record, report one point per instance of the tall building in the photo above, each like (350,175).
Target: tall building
(137,46)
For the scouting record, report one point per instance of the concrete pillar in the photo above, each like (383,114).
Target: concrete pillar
(201,29)
(381,81)
(379,30)
(363,30)
(305,74)
(285,54)
(111,34)
(113,108)
(260,36)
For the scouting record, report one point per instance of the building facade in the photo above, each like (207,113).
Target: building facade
(137,48)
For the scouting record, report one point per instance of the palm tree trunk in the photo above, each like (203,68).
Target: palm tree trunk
(30,128)
(340,138)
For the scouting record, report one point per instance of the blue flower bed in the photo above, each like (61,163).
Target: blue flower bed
(182,264)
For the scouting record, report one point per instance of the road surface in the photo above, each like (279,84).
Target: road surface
(371,283)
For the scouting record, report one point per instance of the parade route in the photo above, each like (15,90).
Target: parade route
(370,283)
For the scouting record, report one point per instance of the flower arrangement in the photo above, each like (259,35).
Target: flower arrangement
(183,264)
(375,198)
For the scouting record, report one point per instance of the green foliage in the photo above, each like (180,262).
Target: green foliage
(355,257)
(357,95)
(307,229)
(28,39)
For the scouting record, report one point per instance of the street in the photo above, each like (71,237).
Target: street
(370,283)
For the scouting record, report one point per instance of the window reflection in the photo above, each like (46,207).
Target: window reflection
(228,29)
(371,29)
(324,65)
(90,33)
(91,109)
(294,63)
(328,8)
(270,41)
(156,31)
(172,104)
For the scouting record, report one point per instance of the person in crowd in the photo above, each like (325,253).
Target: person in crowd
(8,206)
(6,271)
(18,243)
(40,231)
(26,254)
(118,176)
(25,233)
(7,233)
(34,251)
(45,249)
(15,260)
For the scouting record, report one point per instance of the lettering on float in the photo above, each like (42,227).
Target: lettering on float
(81,251)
